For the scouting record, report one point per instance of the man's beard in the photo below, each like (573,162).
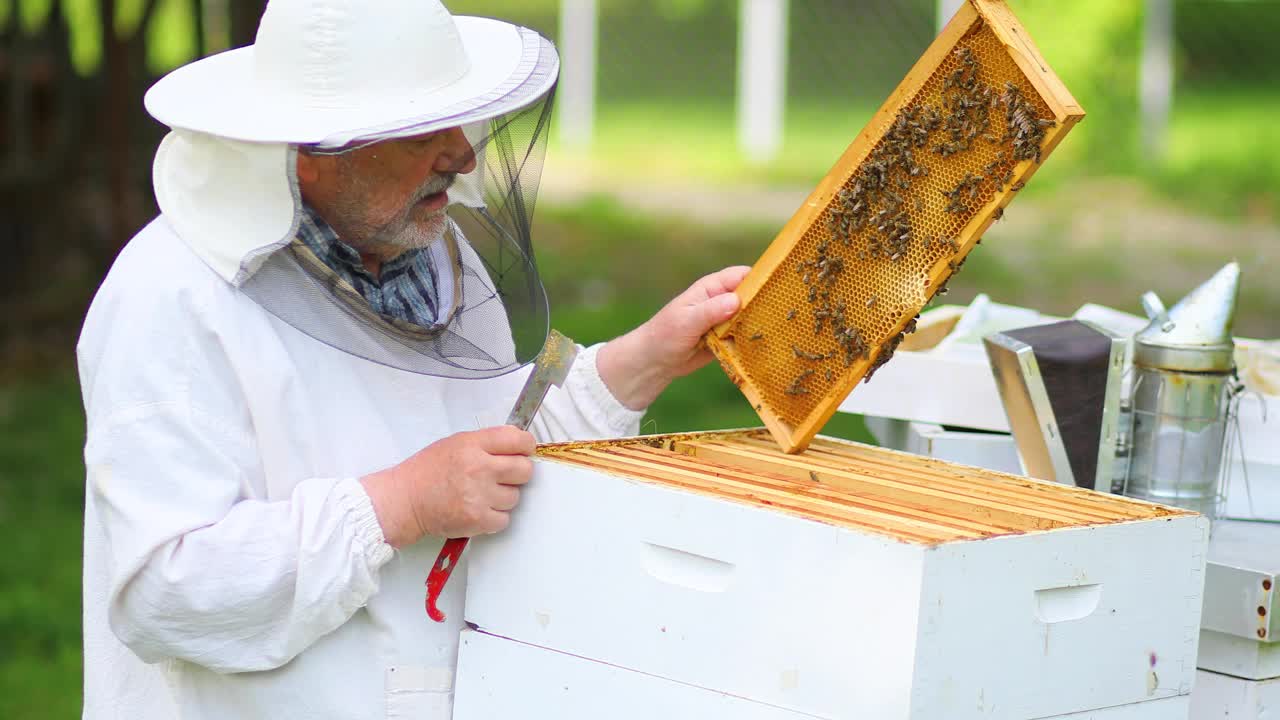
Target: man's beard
(404,231)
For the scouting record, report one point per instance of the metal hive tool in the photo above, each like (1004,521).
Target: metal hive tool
(844,280)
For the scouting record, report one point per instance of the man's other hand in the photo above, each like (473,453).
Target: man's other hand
(460,486)
(639,365)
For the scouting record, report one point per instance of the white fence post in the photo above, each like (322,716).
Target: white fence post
(1155,79)
(762,77)
(946,10)
(577,89)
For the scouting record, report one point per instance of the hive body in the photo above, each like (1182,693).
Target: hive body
(834,293)
(502,678)
(844,582)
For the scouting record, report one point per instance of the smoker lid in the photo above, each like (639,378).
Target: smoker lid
(1195,336)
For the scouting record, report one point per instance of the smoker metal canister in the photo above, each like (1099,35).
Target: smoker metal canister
(1181,396)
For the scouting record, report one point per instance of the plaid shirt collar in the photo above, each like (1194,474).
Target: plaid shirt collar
(406,286)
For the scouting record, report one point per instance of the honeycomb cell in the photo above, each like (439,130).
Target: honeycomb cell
(884,244)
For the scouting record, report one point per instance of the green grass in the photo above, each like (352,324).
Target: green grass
(1224,150)
(41,507)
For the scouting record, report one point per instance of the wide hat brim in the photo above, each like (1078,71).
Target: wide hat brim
(511,67)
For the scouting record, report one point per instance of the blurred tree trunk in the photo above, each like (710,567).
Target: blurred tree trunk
(245,15)
(42,100)
(124,65)
(196,8)
(74,182)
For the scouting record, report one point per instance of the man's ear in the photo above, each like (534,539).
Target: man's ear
(308,167)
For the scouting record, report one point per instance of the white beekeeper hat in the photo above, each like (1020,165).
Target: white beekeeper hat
(333,72)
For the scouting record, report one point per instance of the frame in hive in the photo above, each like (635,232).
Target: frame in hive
(907,497)
(832,296)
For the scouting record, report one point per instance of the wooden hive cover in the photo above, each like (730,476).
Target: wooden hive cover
(908,497)
(832,296)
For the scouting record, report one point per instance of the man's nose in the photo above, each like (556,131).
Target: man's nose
(458,155)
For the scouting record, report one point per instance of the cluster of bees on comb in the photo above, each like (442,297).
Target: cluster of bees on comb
(871,215)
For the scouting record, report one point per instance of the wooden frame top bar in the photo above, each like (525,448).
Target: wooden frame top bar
(908,497)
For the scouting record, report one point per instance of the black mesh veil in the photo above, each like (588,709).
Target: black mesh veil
(511,163)
(490,309)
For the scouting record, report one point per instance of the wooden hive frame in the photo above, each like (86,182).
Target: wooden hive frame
(907,497)
(793,401)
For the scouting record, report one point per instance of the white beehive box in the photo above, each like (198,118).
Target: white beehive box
(846,582)
(501,678)
(1223,697)
(991,450)
(1240,634)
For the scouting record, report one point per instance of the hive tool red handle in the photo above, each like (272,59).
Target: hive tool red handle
(446,561)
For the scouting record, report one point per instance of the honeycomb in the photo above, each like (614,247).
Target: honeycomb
(890,230)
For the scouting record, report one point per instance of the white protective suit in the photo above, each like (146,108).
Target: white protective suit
(234,567)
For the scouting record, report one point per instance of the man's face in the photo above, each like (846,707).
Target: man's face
(391,196)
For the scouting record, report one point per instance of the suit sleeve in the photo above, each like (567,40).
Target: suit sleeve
(199,567)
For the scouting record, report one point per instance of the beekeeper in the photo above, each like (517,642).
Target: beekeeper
(296,377)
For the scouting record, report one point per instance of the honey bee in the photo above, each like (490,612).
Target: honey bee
(797,388)
(757,336)
(804,355)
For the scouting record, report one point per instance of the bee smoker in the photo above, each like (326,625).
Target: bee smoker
(1060,386)
(1181,397)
